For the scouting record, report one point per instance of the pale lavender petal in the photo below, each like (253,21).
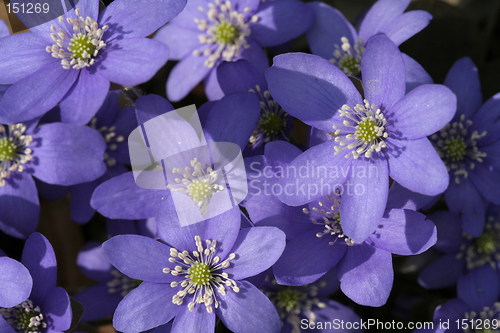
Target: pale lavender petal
(327,29)
(281,21)
(405,26)
(199,321)
(415,164)
(383,73)
(140,310)
(68,154)
(415,74)
(311,88)
(185,76)
(180,41)
(404,232)
(248,311)
(213,90)
(4,327)
(93,263)
(132,61)
(58,307)
(366,275)
(141,258)
(255,55)
(422,112)
(84,98)
(15,282)
(256,250)
(463,80)
(381,14)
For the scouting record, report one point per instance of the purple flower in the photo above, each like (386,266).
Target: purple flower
(56,153)
(274,123)
(385,134)
(15,282)
(208,32)
(308,305)
(4,29)
(318,240)
(477,308)
(470,148)
(462,253)
(196,272)
(101,300)
(332,36)
(48,307)
(73,59)
(114,125)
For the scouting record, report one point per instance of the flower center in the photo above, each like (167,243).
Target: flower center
(200,185)
(203,273)
(14,151)
(78,48)
(224,32)
(273,121)
(486,321)
(457,148)
(112,140)
(364,130)
(348,58)
(24,318)
(328,215)
(121,283)
(294,303)
(484,249)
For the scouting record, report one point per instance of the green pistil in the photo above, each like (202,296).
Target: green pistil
(456,149)
(7,149)
(200,274)
(225,33)
(271,123)
(366,130)
(486,243)
(199,190)
(349,65)
(289,298)
(79,45)
(24,321)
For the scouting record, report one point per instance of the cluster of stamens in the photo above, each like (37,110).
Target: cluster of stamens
(203,274)
(458,150)
(111,137)
(273,121)
(24,318)
(328,215)
(291,302)
(121,283)
(14,151)
(77,49)
(199,185)
(482,250)
(365,130)
(488,320)
(348,58)
(224,32)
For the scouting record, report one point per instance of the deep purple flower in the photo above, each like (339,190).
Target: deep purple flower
(334,38)
(308,306)
(477,308)
(318,240)
(208,32)
(122,198)
(196,272)
(15,282)
(48,308)
(380,137)
(462,253)
(101,300)
(114,125)
(274,123)
(470,148)
(57,153)
(54,64)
